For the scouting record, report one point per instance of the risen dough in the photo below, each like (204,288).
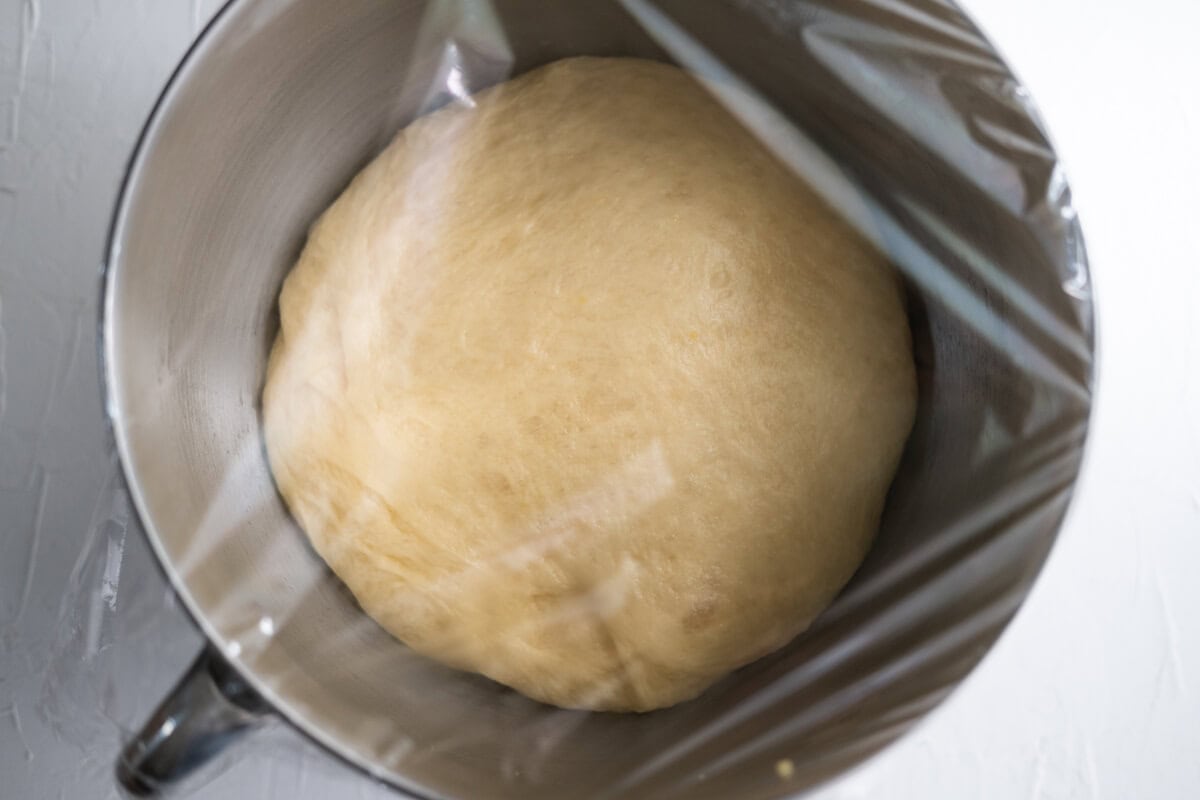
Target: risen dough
(580,389)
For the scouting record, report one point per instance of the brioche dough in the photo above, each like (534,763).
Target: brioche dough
(582,390)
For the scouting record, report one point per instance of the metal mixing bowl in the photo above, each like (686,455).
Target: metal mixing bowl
(280,103)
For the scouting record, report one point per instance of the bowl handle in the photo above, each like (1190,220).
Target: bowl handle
(210,707)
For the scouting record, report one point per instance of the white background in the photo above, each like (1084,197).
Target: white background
(1093,692)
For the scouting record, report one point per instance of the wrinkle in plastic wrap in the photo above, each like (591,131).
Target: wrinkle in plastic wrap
(898,113)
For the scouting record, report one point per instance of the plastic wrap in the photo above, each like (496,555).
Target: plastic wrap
(899,114)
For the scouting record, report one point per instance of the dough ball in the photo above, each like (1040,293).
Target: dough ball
(582,390)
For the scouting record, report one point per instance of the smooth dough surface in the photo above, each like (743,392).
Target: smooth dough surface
(581,390)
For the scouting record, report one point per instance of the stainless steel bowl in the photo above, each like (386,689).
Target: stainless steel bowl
(279,104)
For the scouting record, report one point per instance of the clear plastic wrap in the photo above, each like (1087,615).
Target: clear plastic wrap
(897,112)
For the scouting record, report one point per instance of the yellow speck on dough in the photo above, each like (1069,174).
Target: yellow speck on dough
(785,769)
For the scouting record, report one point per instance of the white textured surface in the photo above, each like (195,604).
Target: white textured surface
(1093,692)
